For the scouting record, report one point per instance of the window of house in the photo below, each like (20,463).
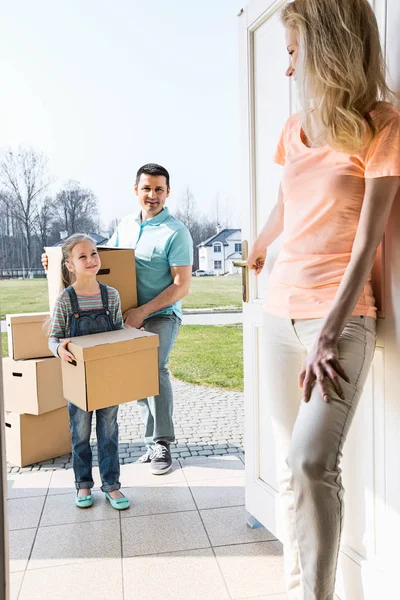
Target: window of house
(238,247)
(217,264)
(217,248)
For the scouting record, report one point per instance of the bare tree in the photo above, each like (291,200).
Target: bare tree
(187,212)
(76,208)
(24,177)
(112,226)
(200,227)
(44,221)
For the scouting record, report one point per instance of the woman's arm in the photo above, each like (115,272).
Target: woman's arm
(323,359)
(271,230)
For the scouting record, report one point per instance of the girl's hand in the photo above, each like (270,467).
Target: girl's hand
(256,260)
(322,364)
(134,317)
(63,352)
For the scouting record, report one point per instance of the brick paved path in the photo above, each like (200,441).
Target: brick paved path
(207,421)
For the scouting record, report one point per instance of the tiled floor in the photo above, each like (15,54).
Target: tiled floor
(185,537)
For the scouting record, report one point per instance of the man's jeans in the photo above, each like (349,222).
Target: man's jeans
(107,443)
(156,411)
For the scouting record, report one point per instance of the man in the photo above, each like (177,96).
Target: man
(164,257)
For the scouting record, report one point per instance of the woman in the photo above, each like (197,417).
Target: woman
(341,158)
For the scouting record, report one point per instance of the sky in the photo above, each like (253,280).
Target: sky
(102,87)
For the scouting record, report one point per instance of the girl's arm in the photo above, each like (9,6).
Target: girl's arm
(117,314)
(59,328)
(323,359)
(271,230)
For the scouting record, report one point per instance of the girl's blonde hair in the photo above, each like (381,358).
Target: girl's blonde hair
(67,248)
(342,72)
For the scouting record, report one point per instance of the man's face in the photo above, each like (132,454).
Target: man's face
(152,192)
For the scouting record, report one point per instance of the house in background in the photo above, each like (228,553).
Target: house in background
(217,254)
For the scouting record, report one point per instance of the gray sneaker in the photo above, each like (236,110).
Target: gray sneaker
(161,461)
(145,458)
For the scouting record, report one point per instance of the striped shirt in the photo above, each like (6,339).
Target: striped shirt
(62,313)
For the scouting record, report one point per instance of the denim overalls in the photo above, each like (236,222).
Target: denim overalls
(86,322)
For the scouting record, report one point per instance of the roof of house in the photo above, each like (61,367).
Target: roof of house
(235,255)
(99,239)
(222,236)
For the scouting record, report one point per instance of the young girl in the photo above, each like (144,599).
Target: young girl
(83,308)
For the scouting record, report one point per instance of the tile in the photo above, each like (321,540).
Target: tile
(60,509)
(20,546)
(26,485)
(24,513)
(75,543)
(100,579)
(62,481)
(212,468)
(154,534)
(193,575)
(15,584)
(227,526)
(251,570)
(155,500)
(134,474)
(218,493)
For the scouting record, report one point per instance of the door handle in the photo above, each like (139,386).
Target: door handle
(242,264)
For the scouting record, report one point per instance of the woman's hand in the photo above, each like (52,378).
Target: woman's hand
(322,364)
(63,353)
(256,260)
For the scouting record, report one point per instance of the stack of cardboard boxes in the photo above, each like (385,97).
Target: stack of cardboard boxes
(109,368)
(36,418)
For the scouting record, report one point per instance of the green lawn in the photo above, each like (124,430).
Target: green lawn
(215,292)
(23,296)
(30,295)
(209,355)
(205,355)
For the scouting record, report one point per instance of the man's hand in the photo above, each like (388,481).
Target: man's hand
(134,317)
(322,364)
(63,353)
(45,261)
(256,260)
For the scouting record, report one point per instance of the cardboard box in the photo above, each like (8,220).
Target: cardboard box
(111,368)
(118,270)
(32,386)
(28,336)
(31,439)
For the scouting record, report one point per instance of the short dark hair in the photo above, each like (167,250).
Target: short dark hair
(154,170)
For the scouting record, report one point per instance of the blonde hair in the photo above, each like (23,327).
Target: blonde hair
(342,74)
(67,248)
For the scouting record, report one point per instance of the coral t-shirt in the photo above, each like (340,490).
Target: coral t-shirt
(323,192)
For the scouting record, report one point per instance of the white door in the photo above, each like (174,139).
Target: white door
(371,469)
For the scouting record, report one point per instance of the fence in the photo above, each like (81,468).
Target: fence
(21,273)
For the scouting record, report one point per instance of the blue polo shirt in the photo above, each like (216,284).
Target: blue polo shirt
(160,243)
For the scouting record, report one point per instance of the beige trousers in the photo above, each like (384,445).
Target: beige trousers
(309,440)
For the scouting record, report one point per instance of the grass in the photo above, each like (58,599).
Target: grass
(203,354)
(30,295)
(23,296)
(209,355)
(214,292)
